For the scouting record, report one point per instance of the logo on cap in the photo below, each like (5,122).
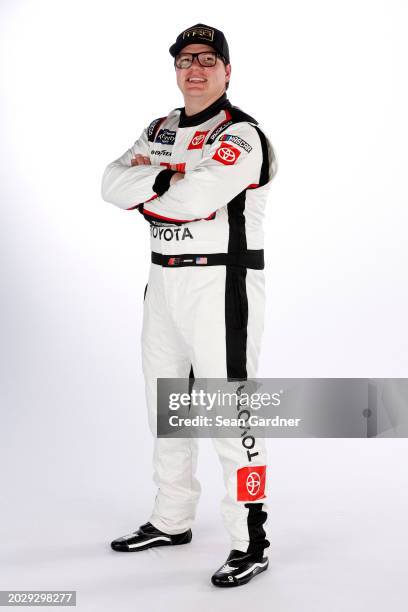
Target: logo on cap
(206,33)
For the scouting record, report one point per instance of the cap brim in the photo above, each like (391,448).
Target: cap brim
(177,47)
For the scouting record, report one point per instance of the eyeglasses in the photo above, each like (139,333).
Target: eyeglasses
(205,58)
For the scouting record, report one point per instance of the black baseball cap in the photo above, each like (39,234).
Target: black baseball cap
(201,33)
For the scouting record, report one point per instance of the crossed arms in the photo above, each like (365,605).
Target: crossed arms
(129,181)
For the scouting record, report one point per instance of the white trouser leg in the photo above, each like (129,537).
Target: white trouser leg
(164,356)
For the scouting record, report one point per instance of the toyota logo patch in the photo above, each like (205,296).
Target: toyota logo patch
(251,483)
(226,154)
(197,140)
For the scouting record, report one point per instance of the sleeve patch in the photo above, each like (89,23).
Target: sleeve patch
(226,154)
(237,140)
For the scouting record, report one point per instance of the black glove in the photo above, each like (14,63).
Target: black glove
(162,182)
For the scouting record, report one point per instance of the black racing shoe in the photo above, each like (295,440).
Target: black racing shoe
(239,569)
(148,536)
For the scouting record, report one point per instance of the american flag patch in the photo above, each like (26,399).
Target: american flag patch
(201,260)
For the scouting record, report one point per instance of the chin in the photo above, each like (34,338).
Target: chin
(194,91)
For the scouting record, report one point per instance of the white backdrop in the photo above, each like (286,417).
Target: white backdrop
(79,81)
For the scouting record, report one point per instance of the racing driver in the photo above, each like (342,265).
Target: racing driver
(201,176)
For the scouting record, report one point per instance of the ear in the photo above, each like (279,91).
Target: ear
(227,72)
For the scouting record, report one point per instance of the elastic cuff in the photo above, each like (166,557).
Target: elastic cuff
(162,182)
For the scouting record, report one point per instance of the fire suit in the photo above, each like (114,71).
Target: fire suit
(204,304)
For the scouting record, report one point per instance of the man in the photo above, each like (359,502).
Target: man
(200,176)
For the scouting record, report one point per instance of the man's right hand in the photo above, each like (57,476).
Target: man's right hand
(140,160)
(143,160)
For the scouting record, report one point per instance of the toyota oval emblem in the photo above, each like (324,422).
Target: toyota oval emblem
(197,140)
(226,154)
(253,483)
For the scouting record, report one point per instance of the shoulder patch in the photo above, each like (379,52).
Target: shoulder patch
(226,154)
(153,127)
(237,140)
(217,131)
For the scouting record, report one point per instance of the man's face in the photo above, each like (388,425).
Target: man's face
(212,79)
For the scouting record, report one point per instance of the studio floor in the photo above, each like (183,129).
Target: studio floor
(337,523)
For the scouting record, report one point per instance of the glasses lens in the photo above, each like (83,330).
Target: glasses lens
(207,58)
(184,61)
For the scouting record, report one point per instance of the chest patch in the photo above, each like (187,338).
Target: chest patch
(197,140)
(166,137)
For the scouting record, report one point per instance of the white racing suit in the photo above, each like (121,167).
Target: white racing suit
(204,304)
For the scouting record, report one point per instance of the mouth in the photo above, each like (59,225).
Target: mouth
(196,80)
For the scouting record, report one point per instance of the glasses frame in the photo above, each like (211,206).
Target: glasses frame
(196,55)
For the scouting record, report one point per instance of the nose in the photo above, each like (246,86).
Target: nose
(191,68)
